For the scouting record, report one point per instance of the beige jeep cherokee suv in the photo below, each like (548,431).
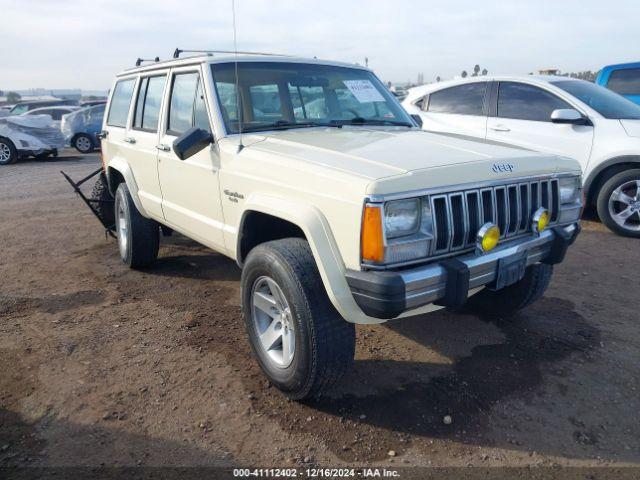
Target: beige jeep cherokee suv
(338,208)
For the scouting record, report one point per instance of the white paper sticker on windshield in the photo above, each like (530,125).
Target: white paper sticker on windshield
(363,90)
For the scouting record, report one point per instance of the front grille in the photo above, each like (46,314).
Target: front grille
(457,216)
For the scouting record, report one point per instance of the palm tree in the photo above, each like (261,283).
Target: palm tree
(13,97)
(476,70)
(464,74)
(484,72)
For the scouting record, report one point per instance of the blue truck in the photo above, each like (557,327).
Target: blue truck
(623,78)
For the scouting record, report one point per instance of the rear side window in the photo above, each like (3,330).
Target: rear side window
(228,101)
(148,103)
(187,107)
(56,114)
(120,101)
(625,82)
(265,103)
(308,101)
(526,102)
(467,99)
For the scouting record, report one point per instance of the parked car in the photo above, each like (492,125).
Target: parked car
(22,107)
(81,128)
(23,136)
(565,116)
(623,78)
(91,103)
(56,113)
(354,217)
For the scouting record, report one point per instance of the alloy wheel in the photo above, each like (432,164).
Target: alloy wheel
(273,322)
(122,228)
(5,152)
(83,144)
(624,205)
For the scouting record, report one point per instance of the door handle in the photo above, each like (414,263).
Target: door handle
(163,147)
(500,128)
(130,140)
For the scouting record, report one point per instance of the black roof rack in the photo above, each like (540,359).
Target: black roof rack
(178,51)
(140,60)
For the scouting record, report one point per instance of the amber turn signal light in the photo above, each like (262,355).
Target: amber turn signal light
(371,240)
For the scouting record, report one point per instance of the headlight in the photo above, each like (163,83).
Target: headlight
(398,231)
(401,217)
(569,189)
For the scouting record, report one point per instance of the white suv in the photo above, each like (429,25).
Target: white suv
(569,117)
(311,176)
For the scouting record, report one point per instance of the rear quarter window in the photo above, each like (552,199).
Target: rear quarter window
(120,102)
(466,99)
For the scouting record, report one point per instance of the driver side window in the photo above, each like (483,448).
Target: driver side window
(520,101)
(187,107)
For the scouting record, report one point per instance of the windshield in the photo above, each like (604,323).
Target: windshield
(283,95)
(607,103)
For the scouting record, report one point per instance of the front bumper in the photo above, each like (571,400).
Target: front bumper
(387,294)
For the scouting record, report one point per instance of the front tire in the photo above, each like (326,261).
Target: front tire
(301,342)
(619,203)
(8,152)
(509,300)
(138,237)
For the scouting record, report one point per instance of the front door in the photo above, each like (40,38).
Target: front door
(190,188)
(523,118)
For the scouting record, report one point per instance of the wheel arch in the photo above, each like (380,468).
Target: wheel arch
(307,220)
(258,227)
(605,170)
(7,139)
(11,144)
(118,171)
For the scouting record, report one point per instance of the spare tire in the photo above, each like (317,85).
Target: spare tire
(105,206)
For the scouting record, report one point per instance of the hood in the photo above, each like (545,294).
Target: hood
(632,127)
(386,153)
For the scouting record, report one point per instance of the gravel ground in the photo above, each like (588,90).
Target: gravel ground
(107,366)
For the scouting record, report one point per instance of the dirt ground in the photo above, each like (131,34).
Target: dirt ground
(102,365)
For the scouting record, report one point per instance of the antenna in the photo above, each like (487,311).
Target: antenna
(235,48)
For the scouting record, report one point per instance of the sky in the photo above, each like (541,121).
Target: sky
(83,44)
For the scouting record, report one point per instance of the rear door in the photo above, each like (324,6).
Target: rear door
(461,110)
(142,139)
(521,115)
(117,120)
(190,188)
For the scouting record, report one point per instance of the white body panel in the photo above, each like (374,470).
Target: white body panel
(593,146)
(316,178)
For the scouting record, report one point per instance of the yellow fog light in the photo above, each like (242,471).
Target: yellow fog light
(540,220)
(487,238)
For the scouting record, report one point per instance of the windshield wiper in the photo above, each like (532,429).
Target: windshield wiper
(369,121)
(281,125)
(286,124)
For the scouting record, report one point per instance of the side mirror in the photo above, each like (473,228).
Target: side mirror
(191,142)
(417,119)
(568,115)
